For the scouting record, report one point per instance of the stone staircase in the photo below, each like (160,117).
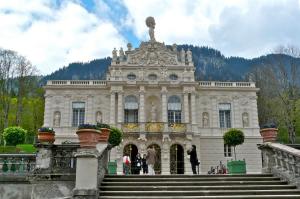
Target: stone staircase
(196,186)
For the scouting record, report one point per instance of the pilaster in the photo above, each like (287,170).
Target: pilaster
(48,112)
(112,107)
(186,107)
(120,108)
(142,108)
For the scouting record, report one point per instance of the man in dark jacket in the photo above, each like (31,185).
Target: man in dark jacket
(193,158)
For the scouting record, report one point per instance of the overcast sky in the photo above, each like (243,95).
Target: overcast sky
(53,33)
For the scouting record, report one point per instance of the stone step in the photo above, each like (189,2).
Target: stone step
(206,197)
(184,188)
(183,179)
(185,176)
(133,194)
(192,183)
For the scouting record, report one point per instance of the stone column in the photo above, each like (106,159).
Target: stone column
(142,109)
(66,116)
(236,113)
(186,107)
(120,109)
(165,158)
(193,112)
(112,108)
(164,106)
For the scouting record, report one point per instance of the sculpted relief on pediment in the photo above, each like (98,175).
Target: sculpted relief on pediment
(152,53)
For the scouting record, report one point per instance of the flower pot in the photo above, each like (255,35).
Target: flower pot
(88,138)
(46,137)
(104,135)
(269,134)
(236,167)
(112,168)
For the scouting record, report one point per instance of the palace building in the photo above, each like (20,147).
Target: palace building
(151,94)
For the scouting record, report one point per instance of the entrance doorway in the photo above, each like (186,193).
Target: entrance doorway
(157,165)
(176,159)
(132,151)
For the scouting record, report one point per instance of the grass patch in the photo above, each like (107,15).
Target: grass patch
(26,148)
(20,148)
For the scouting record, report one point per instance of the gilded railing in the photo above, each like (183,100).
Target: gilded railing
(154,127)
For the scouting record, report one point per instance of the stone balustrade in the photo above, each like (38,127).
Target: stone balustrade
(17,164)
(281,160)
(77,82)
(226,84)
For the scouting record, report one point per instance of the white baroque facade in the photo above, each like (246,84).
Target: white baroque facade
(151,94)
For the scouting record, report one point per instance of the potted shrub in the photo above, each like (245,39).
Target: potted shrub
(234,137)
(269,132)
(105,131)
(88,135)
(115,138)
(46,135)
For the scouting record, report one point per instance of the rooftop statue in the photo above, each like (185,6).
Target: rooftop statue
(150,22)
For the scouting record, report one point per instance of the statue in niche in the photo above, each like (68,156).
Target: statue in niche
(245,118)
(98,117)
(182,55)
(189,56)
(121,55)
(205,119)
(150,22)
(153,112)
(56,120)
(114,55)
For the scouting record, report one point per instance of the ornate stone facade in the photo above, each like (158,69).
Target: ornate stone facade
(150,92)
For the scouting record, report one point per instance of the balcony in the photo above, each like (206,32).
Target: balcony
(154,127)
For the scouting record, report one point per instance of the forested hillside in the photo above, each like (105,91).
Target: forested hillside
(210,65)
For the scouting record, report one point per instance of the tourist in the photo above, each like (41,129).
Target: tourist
(138,163)
(150,160)
(193,158)
(126,164)
(144,165)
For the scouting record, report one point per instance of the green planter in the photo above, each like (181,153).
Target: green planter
(236,167)
(112,168)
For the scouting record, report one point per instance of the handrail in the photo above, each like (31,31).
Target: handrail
(282,161)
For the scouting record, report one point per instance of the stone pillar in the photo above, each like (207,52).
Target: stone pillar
(165,158)
(236,114)
(120,109)
(44,158)
(112,108)
(87,165)
(142,109)
(66,117)
(193,112)
(186,107)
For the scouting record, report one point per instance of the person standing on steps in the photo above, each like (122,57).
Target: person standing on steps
(144,164)
(138,163)
(150,159)
(193,158)
(126,164)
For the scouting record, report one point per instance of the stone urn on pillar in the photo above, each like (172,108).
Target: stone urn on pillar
(46,135)
(88,135)
(269,133)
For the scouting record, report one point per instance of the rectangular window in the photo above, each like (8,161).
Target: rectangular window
(174,117)
(225,115)
(131,116)
(78,113)
(227,151)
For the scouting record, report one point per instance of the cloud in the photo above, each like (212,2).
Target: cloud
(52,34)
(246,28)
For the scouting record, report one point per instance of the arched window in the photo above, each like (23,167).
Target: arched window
(174,109)
(131,109)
